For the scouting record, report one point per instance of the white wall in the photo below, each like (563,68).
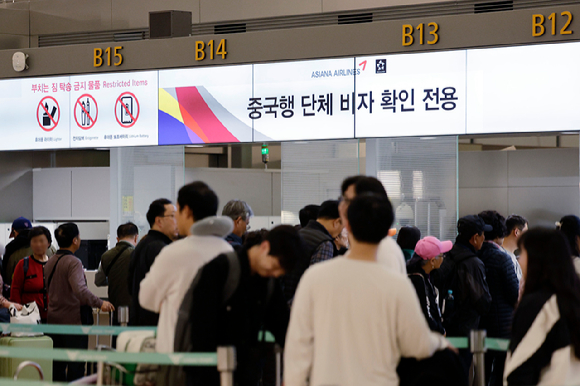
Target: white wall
(542,185)
(261,189)
(71,194)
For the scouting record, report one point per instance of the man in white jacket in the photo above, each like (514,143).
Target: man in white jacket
(351,322)
(390,255)
(174,269)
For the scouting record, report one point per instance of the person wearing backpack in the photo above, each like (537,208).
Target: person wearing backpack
(114,267)
(464,273)
(234,298)
(165,285)
(29,280)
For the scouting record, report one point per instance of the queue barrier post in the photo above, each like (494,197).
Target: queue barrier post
(478,348)
(123,316)
(226,358)
(278,352)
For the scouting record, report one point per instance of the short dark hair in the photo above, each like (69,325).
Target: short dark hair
(329,210)
(157,209)
(570,227)
(370,185)
(127,230)
(286,245)
(199,198)
(254,238)
(497,222)
(309,212)
(65,234)
(514,221)
(39,231)
(348,181)
(370,217)
(408,237)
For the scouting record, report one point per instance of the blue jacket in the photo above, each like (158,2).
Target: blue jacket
(504,289)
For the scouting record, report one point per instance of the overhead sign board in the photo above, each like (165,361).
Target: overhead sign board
(205,105)
(303,100)
(523,89)
(410,95)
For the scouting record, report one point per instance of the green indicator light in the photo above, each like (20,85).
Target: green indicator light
(265,150)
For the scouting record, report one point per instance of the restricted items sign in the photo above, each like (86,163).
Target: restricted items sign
(34,114)
(115,110)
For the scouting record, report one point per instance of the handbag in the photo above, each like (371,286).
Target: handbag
(29,314)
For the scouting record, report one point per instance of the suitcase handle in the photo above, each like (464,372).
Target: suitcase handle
(24,364)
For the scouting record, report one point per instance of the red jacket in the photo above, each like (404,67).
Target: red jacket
(33,289)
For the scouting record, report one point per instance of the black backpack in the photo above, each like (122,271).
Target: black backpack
(175,375)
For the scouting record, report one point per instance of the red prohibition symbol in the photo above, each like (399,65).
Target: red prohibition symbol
(127,109)
(48,113)
(86,111)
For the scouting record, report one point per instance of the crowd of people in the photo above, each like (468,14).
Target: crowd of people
(350,303)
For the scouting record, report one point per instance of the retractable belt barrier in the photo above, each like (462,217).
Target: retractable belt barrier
(66,329)
(59,354)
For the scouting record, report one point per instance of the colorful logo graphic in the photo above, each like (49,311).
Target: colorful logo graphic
(191,115)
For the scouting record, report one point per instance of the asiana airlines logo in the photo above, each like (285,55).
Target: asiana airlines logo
(335,73)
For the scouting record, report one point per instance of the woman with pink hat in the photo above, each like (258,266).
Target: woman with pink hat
(428,257)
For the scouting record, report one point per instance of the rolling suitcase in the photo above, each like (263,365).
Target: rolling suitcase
(138,341)
(8,365)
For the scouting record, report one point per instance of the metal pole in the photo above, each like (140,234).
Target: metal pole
(110,324)
(100,373)
(477,345)
(123,316)
(278,351)
(226,357)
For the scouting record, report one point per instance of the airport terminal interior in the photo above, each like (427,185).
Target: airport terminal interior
(465,112)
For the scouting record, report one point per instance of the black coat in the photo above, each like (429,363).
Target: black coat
(236,322)
(464,273)
(20,242)
(427,297)
(503,287)
(141,261)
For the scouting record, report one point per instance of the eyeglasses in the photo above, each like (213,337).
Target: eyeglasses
(341,199)
(172,215)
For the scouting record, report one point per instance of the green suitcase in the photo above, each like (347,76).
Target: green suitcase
(8,365)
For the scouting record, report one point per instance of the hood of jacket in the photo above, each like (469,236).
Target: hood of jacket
(219,226)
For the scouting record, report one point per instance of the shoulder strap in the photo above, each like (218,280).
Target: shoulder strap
(52,273)
(115,260)
(233,279)
(25,265)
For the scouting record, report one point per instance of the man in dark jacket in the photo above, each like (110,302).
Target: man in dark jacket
(464,273)
(17,249)
(503,287)
(161,218)
(114,267)
(256,305)
(319,244)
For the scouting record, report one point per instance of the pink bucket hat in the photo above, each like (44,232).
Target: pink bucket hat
(430,247)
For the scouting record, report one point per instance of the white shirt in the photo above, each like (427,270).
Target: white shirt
(391,256)
(351,323)
(517,267)
(171,274)
(577,264)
